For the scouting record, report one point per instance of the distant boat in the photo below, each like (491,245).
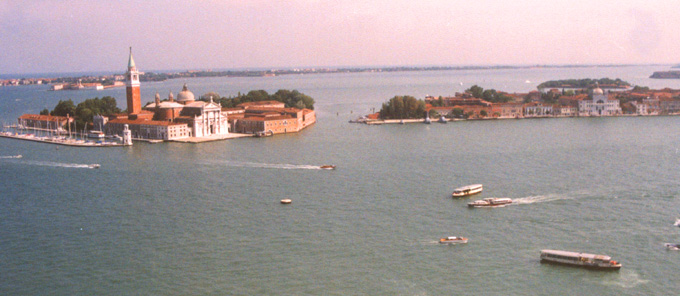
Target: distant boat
(673,247)
(442,119)
(327,167)
(677,222)
(490,202)
(94,166)
(467,190)
(453,240)
(95,135)
(579,259)
(286,201)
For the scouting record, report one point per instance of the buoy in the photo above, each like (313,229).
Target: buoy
(286,201)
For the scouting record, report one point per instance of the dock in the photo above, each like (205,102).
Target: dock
(59,140)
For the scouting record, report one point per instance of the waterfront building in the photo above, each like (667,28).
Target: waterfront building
(537,110)
(640,108)
(669,106)
(507,110)
(167,120)
(599,105)
(260,120)
(44,122)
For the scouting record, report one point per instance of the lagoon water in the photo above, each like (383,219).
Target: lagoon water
(183,219)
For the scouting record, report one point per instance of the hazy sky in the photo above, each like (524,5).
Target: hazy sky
(94,35)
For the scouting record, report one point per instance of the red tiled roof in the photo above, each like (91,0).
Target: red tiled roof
(144,122)
(42,117)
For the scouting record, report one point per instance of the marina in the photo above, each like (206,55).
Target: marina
(60,140)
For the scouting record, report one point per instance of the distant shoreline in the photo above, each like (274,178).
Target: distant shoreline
(46,78)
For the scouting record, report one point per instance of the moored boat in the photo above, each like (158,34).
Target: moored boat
(467,190)
(453,240)
(490,202)
(579,259)
(327,167)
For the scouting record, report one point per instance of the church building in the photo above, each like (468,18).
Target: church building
(599,104)
(167,120)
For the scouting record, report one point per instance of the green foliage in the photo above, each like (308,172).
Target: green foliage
(86,110)
(45,112)
(290,98)
(490,95)
(582,83)
(403,107)
(640,89)
(483,113)
(457,113)
(475,91)
(550,97)
(63,108)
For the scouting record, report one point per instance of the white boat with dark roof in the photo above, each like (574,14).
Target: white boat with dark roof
(490,202)
(453,240)
(467,190)
(579,259)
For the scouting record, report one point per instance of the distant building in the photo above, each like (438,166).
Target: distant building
(599,105)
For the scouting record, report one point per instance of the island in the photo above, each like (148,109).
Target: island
(666,75)
(574,98)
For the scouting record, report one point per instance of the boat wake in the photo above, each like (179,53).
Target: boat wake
(537,199)
(628,279)
(63,165)
(11,156)
(281,166)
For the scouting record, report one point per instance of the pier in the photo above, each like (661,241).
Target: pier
(59,140)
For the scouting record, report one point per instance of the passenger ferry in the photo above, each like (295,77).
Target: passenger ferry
(579,259)
(467,190)
(490,202)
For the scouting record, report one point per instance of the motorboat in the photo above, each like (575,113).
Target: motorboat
(467,190)
(286,201)
(94,166)
(453,240)
(579,259)
(490,202)
(327,167)
(677,222)
(673,247)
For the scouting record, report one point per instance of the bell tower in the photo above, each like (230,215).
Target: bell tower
(134,100)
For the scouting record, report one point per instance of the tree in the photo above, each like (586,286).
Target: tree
(457,112)
(45,112)
(211,95)
(483,113)
(475,90)
(403,107)
(63,108)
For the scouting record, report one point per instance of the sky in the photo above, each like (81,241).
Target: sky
(39,36)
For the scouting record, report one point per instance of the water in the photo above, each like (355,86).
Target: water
(178,219)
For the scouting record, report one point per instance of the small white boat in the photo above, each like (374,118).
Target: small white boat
(490,202)
(579,259)
(673,247)
(677,222)
(286,201)
(467,190)
(453,240)
(327,167)
(94,166)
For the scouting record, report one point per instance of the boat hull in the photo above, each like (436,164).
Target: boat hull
(467,191)
(586,266)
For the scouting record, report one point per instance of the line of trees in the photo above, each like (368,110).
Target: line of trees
(84,111)
(291,98)
(489,95)
(403,107)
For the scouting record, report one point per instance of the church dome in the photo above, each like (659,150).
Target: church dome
(597,91)
(185,95)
